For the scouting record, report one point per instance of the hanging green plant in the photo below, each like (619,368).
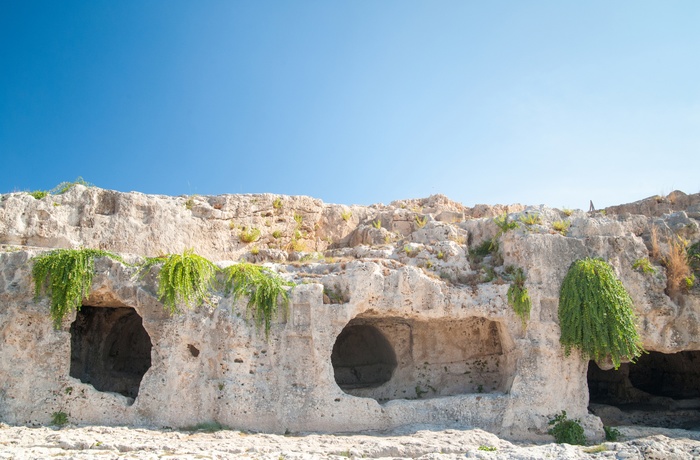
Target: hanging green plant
(264,288)
(519,298)
(184,279)
(66,276)
(596,314)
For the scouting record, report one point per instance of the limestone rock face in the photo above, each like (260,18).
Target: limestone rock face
(397,317)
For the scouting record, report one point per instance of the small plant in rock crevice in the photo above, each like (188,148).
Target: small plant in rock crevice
(39,194)
(277,203)
(377,224)
(694,256)
(531,219)
(561,226)
(478,252)
(504,225)
(596,314)
(518,297)
(679,274)
(63,187)
(65,275)
(59,418)
(421,222)
(566,430)
(644,266)
(346,215)
(249,235)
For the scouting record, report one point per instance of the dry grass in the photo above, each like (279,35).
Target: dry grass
(678,270)
(654,251)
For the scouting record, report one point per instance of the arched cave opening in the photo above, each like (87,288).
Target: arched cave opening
(658,390)
(362,358)
(110,349)
(388,358)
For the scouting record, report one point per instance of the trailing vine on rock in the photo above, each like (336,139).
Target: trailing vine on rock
(185,278)
(596,314)
(66,276)
(264,289)
(518,297)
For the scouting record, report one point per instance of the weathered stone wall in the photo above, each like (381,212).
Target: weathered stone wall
(455,352)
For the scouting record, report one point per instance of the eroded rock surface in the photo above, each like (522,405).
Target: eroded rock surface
(399,316)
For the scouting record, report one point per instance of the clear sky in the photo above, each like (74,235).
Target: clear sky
(355,102)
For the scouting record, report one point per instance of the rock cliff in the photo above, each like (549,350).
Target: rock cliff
(399,315)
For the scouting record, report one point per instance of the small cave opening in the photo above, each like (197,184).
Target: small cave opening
(660,389)
(110,349)
(362,357)
(387,358)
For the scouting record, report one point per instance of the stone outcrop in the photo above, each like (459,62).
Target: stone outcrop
(395,318)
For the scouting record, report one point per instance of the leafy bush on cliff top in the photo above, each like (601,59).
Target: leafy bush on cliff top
(596,314)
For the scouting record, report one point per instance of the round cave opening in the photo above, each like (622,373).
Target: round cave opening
(660,389)
(362,357)
(110,349)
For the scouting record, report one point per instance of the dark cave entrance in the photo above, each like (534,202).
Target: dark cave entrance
(110,349)
(362,357)
(387,358)
(659,390)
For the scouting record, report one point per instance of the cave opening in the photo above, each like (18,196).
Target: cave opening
(110,349)
(362,357)
(387,358)
(660,390)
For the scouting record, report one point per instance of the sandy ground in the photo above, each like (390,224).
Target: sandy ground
(99,442)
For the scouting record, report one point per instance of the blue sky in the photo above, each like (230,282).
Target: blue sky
(354,102)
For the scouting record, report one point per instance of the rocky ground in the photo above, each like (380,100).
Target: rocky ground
(133,443)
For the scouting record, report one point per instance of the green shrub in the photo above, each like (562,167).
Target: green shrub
(420,222)
(277,203)
(644,266)
(482,250)
(183,279)
(346,215)
(39,194)
(59,418)
(611,434)
(487,448)
(277,234)
(377,224)
(566,431)
(504,224)
(264,289)
(66,276)
(694,257)
(596,314)
(518,297)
